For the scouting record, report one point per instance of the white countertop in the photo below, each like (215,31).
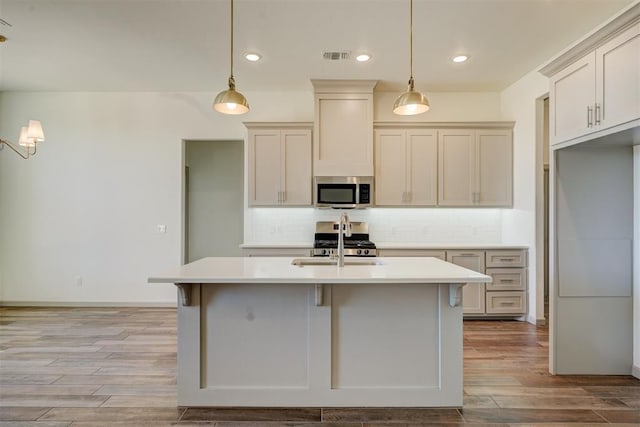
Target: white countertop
(280,270)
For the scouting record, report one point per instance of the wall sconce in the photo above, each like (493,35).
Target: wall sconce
(30,136)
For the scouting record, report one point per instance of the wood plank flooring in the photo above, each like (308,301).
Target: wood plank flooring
(117,367)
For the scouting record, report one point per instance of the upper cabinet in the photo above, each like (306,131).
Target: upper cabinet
(618,79)
(406,167)
(595,85)
(279,164)
(444,164)
(343,128)
(475,167)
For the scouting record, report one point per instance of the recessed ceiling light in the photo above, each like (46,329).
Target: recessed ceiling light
(460,58)
(363,57)
(253,57)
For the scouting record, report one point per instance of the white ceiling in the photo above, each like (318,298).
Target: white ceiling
(183,45)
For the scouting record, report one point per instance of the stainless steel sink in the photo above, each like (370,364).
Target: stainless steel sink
(301,262)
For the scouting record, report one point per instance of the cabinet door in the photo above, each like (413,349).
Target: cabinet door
(494,167)
(264,167)
(618,79)
(456,167)
(422,170)
(572,96)
(296,173)
(391,164)
(344,135)
(473,299)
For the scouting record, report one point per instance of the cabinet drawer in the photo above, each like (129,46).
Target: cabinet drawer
(506,302)
(507,279)
(411,252)
(514,258)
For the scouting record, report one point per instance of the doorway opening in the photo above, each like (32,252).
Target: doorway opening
(213,203)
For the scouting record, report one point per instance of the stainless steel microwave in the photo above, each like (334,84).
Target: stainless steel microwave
(343,192)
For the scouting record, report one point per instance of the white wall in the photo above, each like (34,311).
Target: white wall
(88,203)
(518,103)
(445,106)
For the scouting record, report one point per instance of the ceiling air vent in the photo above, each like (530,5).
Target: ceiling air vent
(336,56)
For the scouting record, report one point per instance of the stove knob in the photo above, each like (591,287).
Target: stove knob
(359,252)
(324,252)
(366,251)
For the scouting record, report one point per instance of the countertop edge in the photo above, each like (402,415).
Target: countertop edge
(391,245)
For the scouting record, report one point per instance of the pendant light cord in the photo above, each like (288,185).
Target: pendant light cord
(411,45)
(232,80)
(232,39)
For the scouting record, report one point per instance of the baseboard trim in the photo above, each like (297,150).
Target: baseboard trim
(535,321)
(635,371)
(86,304)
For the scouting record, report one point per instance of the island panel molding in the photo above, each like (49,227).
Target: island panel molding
(257,333)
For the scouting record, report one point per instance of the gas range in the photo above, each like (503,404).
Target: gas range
(358,244)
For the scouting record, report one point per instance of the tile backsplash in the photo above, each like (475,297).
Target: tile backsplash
(434,225)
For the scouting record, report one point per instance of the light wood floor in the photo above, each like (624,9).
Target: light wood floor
(112,366)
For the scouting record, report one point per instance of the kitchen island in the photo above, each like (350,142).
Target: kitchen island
(283,332)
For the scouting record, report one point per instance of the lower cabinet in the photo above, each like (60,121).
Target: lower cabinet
(473,300)
(505,296)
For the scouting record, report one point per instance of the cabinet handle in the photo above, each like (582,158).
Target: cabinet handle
(507,259)
(279,196)
(467,255)
(284,196)
(507,280)
(597,114)
(408,196)
(589,116)
(507,303)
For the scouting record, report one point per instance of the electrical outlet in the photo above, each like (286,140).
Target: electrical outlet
(79,281)
(162,229)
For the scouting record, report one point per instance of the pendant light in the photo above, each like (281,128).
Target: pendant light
(411,102)
(231,101)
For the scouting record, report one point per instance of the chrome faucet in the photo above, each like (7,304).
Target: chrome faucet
(343,230)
